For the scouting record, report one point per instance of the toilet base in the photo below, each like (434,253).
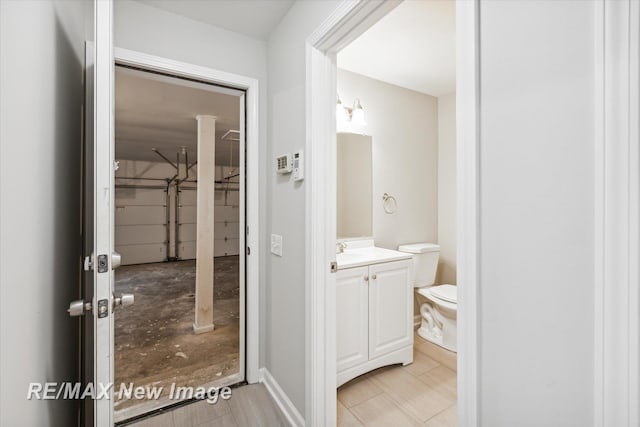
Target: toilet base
(429,334)
(441,332)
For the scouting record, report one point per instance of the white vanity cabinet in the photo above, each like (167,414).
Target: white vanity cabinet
(374,318)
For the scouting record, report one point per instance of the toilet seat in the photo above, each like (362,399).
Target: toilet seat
(447,293)
(444,295)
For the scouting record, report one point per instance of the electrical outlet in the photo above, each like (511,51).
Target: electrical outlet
(276,244)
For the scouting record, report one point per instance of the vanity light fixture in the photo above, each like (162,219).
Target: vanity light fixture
(342,114)
(353,114)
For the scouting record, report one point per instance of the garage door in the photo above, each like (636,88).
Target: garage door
(140,225)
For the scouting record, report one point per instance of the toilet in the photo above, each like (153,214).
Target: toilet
(439,304)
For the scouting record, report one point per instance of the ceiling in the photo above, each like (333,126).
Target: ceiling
(153,111)
(412,47)
(255,18)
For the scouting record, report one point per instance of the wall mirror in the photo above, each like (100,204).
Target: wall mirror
(354,186)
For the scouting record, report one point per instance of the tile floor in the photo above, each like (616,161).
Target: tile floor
(420,394)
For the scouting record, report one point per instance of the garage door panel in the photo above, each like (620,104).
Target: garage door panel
(188,197)
(187,250)
(221,248)
(227,213)
(142,254)
(227,198)
(226,247)
(140,234)
(140,196)
(140,215)
(187,232)
(188,214)
(230,230)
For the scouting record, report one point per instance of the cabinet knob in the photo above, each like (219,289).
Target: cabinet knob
(366,278)
(374,277)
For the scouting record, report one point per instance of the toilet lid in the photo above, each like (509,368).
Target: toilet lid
(445,292)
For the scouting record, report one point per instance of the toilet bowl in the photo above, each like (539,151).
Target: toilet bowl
(439,312)
(438,304)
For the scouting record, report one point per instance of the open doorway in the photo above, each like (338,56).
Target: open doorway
(179,221)
(338,31)
(396,294)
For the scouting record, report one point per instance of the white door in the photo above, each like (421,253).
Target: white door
(352,317)
(98,223)
(390,306)
(103,215)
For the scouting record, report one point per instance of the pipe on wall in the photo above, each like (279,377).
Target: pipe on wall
(177,222)
(167,216)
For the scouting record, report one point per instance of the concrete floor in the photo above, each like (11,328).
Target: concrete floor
(154,340)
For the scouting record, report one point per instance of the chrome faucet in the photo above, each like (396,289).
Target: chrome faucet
(340,247)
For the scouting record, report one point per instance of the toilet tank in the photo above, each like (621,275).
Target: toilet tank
(425,262)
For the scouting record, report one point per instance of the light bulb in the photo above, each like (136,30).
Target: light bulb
(357,116)
(341,113)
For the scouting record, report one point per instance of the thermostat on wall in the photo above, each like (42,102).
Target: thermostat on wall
(284,164)
(298,166)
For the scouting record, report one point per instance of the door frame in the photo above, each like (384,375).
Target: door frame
(617,214)
(345,24)
(250,310)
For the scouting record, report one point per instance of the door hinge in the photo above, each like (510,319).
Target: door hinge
(334,266)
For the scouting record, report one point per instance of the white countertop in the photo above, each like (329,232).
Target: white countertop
(367,255)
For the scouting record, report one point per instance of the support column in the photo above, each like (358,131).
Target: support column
(205,223)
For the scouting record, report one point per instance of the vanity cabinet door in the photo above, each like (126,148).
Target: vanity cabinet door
(390,307)
(352,317)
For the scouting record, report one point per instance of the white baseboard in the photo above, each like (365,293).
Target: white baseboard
(282,400)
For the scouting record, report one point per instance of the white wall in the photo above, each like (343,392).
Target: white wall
(447,214)
(536,206)
(285,284)
(154,31)
(41,67)
(403,125)
(536,209)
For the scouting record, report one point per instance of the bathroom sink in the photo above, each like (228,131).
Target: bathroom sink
(368,255)
(349,257)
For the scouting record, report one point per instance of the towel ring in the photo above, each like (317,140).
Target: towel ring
(389,203)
